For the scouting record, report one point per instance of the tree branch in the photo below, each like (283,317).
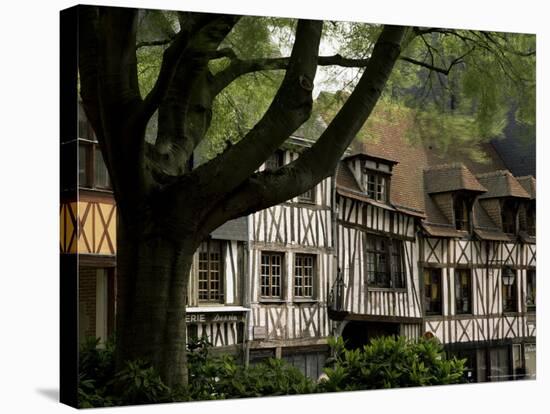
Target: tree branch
(240,67)
(290,107)
(268,188)
(443,71)
(185,110)
(160,42)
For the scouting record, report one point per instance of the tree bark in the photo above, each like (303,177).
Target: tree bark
(152,278)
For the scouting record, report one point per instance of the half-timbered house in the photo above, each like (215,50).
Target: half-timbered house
(377,289)
(426,246)
(291,261)
(478,267)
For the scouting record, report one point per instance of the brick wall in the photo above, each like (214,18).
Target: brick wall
(87,300)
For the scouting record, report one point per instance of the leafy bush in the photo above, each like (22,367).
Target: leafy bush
(210,377)
(222,377)
(390,362)
(101,386)
(140,384)
(96,371)
(385,363)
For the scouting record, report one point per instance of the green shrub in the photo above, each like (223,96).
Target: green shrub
(390,362)
(140,384)
(385,363)
(222,377)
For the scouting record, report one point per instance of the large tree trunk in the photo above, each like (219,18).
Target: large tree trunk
(152,277)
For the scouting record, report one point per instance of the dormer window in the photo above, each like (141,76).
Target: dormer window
(532,220)
(462,212)
(376,186)
(275,160)
(509,216)
(372,175)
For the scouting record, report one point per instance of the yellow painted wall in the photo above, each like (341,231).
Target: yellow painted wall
(88,227)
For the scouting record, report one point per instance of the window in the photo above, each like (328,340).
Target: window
(531,220)
(462,213)
(531,289)
(101,175)
(377,271)
(83,162)
(499,360)
(275,160)
(518,364)
(463,291)
(304,268)
(210,272)
(509,290)
(384,262)
(271,275)
(509,210)
(470,355)
(398,276)
(432,291)
(307,197)
(375,186)
(92,171)
(309,363)
(530,355)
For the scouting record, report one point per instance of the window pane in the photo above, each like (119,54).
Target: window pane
(462,214)
(432,291)
(530,360)
(82,165)
(303,275)
(509,283)
(499,361)
(381,271)
(101,176)
(463,289)
(531,290)
(210,275)
(271,274)
(275,160)
(307,197)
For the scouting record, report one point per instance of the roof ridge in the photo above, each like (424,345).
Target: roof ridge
(495,173)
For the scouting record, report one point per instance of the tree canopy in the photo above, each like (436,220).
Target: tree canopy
(461,84)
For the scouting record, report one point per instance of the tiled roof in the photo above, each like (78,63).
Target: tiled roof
(529,184)
(450,177)
(442,231)
(493,235)
(345,178)
(482,220)
(388,140)
(501,184)
(365,155)
(423,168)
(236,229)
